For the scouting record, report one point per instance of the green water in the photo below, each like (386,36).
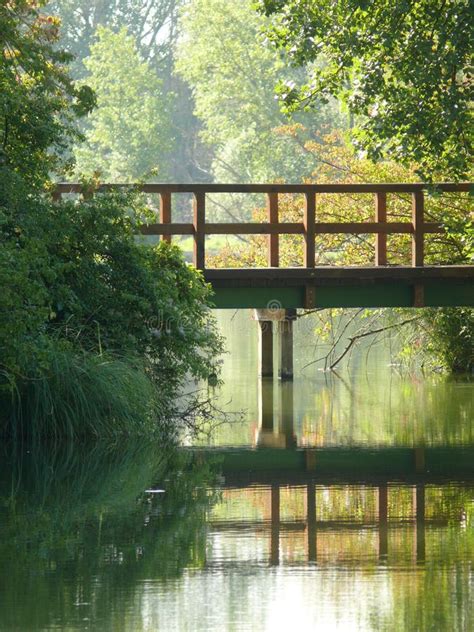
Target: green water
(339,503)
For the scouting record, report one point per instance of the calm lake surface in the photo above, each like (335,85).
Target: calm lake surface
(339,502)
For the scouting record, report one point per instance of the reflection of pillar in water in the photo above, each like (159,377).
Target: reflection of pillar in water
(286,414)
(383,521)
(275,526)
(265,348)
(285,336)
(311,521)
(419,498)
(265,404)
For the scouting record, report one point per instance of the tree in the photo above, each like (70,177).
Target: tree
(402,69)
(39,103)
(223,56)
(153,25)
(129,134)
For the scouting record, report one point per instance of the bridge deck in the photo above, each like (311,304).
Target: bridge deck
(434,286)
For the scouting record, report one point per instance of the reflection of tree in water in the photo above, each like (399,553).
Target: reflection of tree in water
(77,528)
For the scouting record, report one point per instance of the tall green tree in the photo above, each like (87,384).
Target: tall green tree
(154,26)
(39,102)
(152,23)
(232,72)
(402,68)
(128,135)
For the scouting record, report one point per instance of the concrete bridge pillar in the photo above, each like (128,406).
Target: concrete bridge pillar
(265,348)
(285,336)
(283,319)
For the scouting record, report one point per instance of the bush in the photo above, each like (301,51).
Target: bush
(450,337)
(92,322)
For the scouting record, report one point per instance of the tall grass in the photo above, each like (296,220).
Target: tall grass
(84,395)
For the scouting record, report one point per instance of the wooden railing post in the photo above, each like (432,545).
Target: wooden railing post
(309,229)
(165,212)
(417,250)
(199,234)
(272,215)
(381,238)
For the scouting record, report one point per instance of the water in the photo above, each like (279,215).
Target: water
(343,503)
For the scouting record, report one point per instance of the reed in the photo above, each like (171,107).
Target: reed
(84,395)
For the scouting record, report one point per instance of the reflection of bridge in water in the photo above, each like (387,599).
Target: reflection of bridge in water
(313,528)
(275,464)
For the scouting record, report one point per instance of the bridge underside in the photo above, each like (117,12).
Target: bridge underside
(244,466)
(437,286)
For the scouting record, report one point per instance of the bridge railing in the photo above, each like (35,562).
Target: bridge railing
(309,227)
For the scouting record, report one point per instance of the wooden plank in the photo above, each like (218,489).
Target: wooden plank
(348,273)
(362,228)
(272,214)
(433,227)
(199,235)
(309,229)
(167,229)
(285,228)
(254,228)
(401,187)
(165,212)
(418,295)
(309,296)
(381,238)
(417,247)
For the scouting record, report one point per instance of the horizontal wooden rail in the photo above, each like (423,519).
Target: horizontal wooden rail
(409,187)
(289,228)
(309,227)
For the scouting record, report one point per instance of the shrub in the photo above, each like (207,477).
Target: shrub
(91,321)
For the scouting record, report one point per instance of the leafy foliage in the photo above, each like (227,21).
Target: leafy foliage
(38,101)
(154,28)
(452,337)
(88,290)
(223,56)
(152,24)
(128,136)
(402,69)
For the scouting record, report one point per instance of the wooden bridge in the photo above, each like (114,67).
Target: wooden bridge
(309,286)
(387,472)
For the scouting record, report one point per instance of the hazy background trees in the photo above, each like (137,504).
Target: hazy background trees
(197,79)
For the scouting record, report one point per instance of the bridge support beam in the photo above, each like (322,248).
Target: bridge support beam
(265,348)
(285,335)
(283,319)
